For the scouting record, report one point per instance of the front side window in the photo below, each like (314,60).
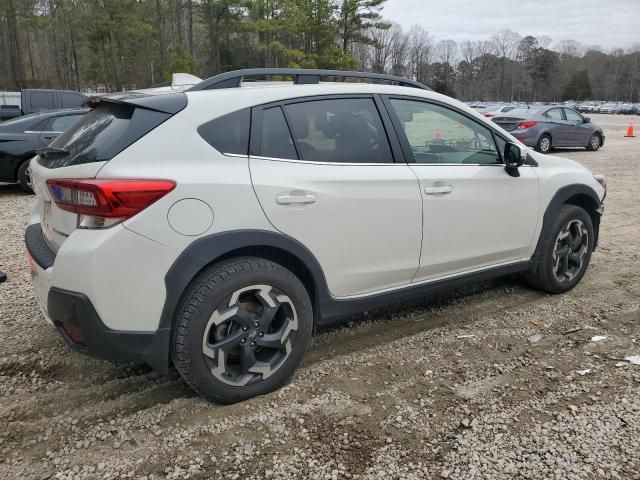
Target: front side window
(555,114)
(41,100)
(71,99)
(438,135)
(347,130)
(573,116)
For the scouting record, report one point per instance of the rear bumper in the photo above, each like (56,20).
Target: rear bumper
(528,137)
(64,308)
(67,308)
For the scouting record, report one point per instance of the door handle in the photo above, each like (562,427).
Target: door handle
(299,199)
(438,190)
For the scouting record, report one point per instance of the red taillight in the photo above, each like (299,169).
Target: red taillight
(74,333)
(527,124)
(107,198)
(489,115)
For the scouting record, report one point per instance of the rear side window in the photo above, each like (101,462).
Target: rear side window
(103,133)
(276,139)
(60,124)
(229,133)
(347,130)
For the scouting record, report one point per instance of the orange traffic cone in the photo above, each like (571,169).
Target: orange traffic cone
(630,129)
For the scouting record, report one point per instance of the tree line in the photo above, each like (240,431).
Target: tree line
(120,44)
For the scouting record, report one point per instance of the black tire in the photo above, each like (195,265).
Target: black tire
(211,295)
(544,143)
(23,177)
(594,142)
(544,274)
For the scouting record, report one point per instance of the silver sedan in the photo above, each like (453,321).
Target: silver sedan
(551,126)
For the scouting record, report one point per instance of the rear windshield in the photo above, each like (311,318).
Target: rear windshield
(103,133)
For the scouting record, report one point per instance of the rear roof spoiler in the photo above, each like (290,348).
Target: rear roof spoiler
(169,103)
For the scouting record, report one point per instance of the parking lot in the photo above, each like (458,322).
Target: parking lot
(492,381)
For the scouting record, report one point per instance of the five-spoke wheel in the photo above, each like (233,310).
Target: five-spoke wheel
(250,335)
(572,245)
(242,329)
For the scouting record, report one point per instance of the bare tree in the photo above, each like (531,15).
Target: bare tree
(398,51)
(420,48)
(446,51)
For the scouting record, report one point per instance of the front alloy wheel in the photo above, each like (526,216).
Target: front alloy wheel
(569,252)
(564,250)
(250,335)
(594,142)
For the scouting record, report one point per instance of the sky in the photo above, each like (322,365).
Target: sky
(607,23)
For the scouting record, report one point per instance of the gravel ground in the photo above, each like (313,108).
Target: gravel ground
(451,387)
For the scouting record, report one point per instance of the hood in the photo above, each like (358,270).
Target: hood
(555,161)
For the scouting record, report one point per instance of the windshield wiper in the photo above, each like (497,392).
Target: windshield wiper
(51,152)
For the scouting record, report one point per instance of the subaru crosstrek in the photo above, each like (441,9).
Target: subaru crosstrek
(214,229)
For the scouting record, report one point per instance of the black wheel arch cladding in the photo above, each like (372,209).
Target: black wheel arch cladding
(577,194)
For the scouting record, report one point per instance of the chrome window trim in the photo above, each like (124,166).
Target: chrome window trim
(42,131)
(260,157)
(311,162)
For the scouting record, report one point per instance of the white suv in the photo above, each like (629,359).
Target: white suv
(216,228)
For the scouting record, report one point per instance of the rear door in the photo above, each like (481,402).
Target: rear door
(558,127)
(324,172)
(475,214)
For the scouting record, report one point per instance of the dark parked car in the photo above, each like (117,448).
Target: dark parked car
(35,100)
(624,109)
(551,126)
(22,136)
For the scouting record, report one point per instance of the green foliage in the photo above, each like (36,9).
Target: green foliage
(180,61)
(358,16)
(578,88)
(442,77)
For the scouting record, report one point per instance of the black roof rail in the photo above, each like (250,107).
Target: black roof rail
(300,76)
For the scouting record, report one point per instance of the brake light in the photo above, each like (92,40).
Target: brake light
(103,202)
(489,115)
(527,124)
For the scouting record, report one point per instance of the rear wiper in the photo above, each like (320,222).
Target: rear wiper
(51,152)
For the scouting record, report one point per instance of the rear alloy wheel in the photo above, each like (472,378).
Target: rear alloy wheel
(564,251)
(544,144)
(242,330)
(594,142)
(250,337)
(24,177)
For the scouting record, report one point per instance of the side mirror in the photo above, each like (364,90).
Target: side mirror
(512,159)
(587,120)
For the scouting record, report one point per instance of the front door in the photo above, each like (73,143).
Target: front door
(324,173)
(578,131)
(475,214)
